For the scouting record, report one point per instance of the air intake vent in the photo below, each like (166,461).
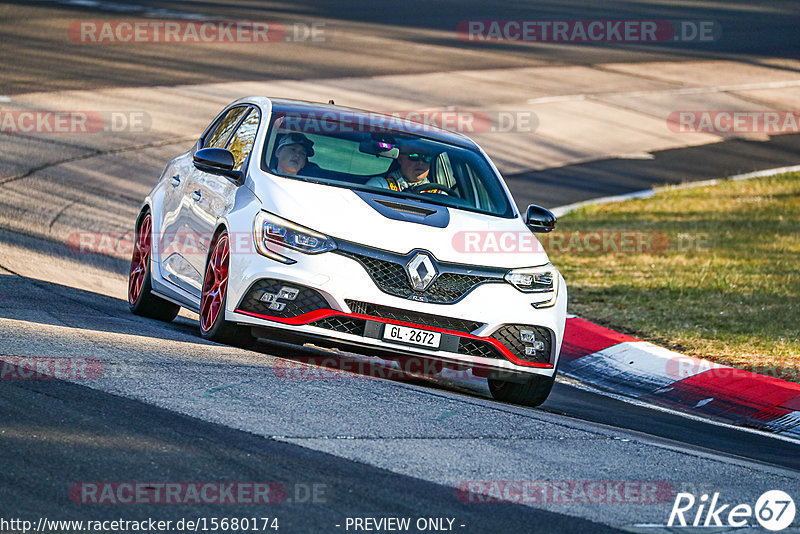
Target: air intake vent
(406,208)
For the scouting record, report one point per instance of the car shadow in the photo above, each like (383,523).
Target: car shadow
(42,302)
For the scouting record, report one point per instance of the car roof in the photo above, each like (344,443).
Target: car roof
(371,118)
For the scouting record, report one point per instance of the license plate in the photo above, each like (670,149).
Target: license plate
(414,336)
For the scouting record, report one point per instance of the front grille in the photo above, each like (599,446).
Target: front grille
(388,272)
(346,325)
(509,336)
(307,299)
(450,287)
(408,316)
(390,277)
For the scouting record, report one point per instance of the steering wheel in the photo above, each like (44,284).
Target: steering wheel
(429,188)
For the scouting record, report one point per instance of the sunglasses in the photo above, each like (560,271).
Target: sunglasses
(419,157)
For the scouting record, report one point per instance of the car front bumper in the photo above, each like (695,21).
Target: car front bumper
(338,300)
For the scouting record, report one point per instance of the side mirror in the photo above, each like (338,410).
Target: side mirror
(218,161)
(539,219)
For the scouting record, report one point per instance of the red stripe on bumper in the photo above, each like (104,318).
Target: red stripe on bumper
(316,315)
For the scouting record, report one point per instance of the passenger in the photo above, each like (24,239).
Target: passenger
(292,153)
(408,170)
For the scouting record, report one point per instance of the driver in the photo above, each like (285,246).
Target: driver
(292,153)
(408,170)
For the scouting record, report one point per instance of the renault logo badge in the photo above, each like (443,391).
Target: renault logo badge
(421,271)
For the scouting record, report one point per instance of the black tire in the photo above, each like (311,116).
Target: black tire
(219,329)
(142,301)
(533,392)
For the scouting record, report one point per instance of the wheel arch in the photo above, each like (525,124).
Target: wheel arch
(144,210)
(222,226)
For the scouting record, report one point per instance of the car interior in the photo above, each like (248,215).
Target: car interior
(353,158)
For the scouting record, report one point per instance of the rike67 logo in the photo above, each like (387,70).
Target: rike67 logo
(774,510)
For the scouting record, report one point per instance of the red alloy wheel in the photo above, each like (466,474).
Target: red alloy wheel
(212,302)
(140,260)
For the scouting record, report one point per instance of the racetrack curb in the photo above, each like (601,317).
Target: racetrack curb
(625,365)
(622,364)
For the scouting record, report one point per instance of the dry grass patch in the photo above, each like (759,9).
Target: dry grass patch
(721,282)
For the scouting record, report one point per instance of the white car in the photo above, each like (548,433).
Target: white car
(298,220)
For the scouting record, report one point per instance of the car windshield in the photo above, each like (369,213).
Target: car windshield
(344,151)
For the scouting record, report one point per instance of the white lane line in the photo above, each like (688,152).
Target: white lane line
(680,91)
(714,89)
(560,211)
(758,174)
(558,98)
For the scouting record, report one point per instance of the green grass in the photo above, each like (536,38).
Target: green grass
(727,286)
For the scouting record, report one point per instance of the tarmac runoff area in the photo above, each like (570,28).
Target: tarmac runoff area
(526,119)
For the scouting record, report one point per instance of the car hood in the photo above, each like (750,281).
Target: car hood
(469,238)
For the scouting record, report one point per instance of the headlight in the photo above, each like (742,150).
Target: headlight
(269,228)
(541,281)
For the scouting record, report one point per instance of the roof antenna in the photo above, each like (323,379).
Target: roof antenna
(331,102)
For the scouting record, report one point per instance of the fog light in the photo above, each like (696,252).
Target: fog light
(288,293)
(268,297)
(527,336)
(277,306)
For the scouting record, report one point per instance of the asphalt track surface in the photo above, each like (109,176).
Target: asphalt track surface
(362,38)
(172,407)
(616,176)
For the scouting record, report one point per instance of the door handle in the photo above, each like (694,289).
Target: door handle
(176,180)
(197,196)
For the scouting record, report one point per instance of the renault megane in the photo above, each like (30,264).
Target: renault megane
(336,225)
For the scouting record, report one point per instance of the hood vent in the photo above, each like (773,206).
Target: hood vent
(391,208)
(406,208)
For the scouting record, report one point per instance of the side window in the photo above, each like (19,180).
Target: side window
(242,141)
(225,128)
